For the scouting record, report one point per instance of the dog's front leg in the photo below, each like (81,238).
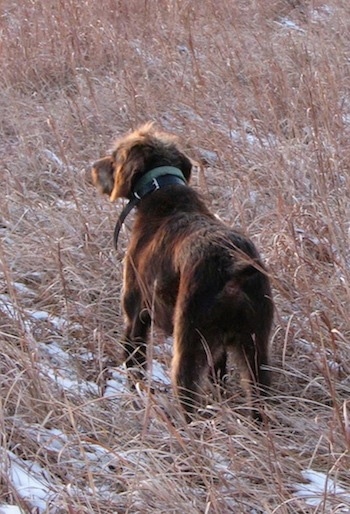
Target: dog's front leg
(137,320)
(136,331)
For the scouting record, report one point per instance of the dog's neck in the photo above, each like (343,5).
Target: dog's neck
(151,181)
(155,179)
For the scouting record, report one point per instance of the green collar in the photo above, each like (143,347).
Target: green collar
(153,180)
(156,173)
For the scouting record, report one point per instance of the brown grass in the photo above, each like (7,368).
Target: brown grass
(265,104)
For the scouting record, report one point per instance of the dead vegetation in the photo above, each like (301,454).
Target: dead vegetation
(260,95)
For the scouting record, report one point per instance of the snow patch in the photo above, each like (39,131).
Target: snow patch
(247,136)
(30,316)
(320,489)
(159,374)
(286,23)
(69,385)
(208,156)
(10,509)
(61,372)
(53,157)
(322,13)
(30,481)
(118,383)
(23,289)
(65,204)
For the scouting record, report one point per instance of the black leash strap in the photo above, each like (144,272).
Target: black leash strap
(153,185)
(129,207)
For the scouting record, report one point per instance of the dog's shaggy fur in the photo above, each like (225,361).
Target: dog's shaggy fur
(196,278)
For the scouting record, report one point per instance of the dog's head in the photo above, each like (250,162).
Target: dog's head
(134,155)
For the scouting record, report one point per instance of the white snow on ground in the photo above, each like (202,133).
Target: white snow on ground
(23,289)
(61,370)
(10,509)
(63,375)
(29,480)
(65,204)
(248,135)
(7,307)
(320,490)
(32,483)
(321,13)
(286,23)
(57,442)
(159,374)
(67,384)
(117,384)
(53,157)
(30,316)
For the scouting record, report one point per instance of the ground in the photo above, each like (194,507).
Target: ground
(258,94)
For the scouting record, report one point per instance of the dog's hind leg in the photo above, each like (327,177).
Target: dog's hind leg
(252,353)
(189,364)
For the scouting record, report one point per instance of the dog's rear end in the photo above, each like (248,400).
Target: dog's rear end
(188,272)
(223,306)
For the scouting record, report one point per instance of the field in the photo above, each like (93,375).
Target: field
(258,94)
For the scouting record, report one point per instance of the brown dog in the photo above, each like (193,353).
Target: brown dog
(187,271)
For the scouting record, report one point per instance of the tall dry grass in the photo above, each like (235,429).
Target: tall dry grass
(260,94)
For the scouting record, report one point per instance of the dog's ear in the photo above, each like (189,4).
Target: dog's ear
(129,166)
(102,174)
